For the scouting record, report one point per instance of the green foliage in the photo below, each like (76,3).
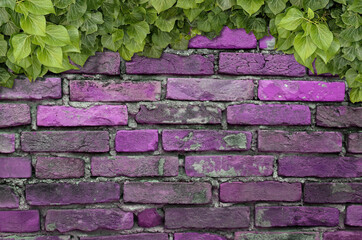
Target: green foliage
(37,36)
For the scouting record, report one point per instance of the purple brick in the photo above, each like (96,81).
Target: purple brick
(207,89)
(50,88)
(308,142)
(15,167)
(65,141)
(326,167)
(59,167)
(228,166)
(340,117)
(332,192)
(259,64)
(197,236)
(88,220)
(345,235)
(172,64)
(100,115)
(355,143)
(8,199)
(235,192)
(139,236)
(308,91)
(112,91)
(205,140)
(36,238)
(354,215)
(136,140)
(135,166)
(7,142)
(228,39)
(21,221)
(207,218)
(167,192)
(268,114)
(47,194)
(13,115)
(267,42)
(276,236)
(149,218)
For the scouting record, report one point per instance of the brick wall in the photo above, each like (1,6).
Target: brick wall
(227,140)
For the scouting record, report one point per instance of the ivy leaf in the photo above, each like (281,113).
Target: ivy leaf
(351,77)
(74,45)
(6,78)
(341,1)
(326,56)
(108,43)
(63,3)
(297,3)
(356,6)
(56,35)
(310,13)
(4,16)
(277,6)
(34,71)
(77,10)
(286,43)
(193,13)
(51,56)
(315,5)
(356,95)
(138,31)
(352,19)
(152,51)
(225,4)
(186,4)
(161,39)
(125,53)
(321,66)
(304,46)
(251,6)
(33,24)
(321,36)
(79,58)
(3,46)
(8,3)
(39,7)
(292,19)
(165,25)
(352,34)
(162,5)
(21,44)
(117,35)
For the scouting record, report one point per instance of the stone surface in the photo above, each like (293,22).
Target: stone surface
(137,140)
(339,116)
(21,221)
(59,167)
(345,235)
(276,236)
(354,215)
(7,142)
(12,115)
(333,192)
(139,236)
(8,199)
(15,167)
(267,42)
(36,238)
(149,218)
(355,143)
(197,236)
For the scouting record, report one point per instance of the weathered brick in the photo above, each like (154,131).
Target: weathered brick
(36,238)
(283,216)
(167,192)
(267,42)
(179,114)
(65,141)
(135,166)
(355,143)
(112,91)
(207,89)
(345,235)
(59,167)
(88,220)
(260,191)
(353,216)
(15,167)
(8,199)
(340,117)
(44,194)
(19,221)
(149,218)
(210,218)
(276,236)
(197,236)
(172,64)
(228,166)
(306,91)
(100,115)
(333,192)
(138,236)
(259,64)
(136,140)
(7,142)
(311,166)
(268,114)
(12,115)
(50,88)
(205,140)
(309,142)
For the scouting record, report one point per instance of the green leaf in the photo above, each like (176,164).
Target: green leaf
(138,31)
(356,6)
(3,46)
(91,24)
(192,14)
(33,24)
(321,66)
(341,1)
(34,71)
(165,25)
(74,45)
(6,78)
(4,16)
(331,52)
(277,6)
(51,56)
(321,36)
(39,7)
(162,5)
(161,39)
(117,35)
(186,4)
(292,19)
(284,44)
(310,13)
(125,53)
(8,3)
(351,77)
(21,44)
(304,46)
(352,19)
(77,10)
(108,43)
(315,4)
(226,4)
(250,6)
(356,95)
(152,51)
(57,35)
(352,34)
(63,3)
(79,58)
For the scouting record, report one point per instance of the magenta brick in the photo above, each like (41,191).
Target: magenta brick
(228,39)
(283,216)
(113,91)
(207,218)
(13,115)
(59,167)
(235,192)
(50,88)
(108,63)
(36,238)
(136,140)
(135,166)
(139,236)
(228,166)
(88,220)
(268,114)
(267,42)
(172,64)
(15,167)
(208,89)
(8,199)
(308,91)
(355,143)
(259,64)
(179,114)
(345,235)
(167,192)
(46,194)
(149,218)
(353,216)
(21,221)
(308,142)
(205,140)
(328,167)
(332,192)
(197,236)
(65,141)
(276,236)
(7,142)
(340,117)
(100,115)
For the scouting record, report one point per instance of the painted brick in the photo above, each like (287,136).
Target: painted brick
(44,194)
(326,167)
(167,192)
(355,143)
(13,115)
(340,117)
(235,192)
(149,218)
(88,220)
(112,91)
(259,64)
(65,141)
(136,140)
(135,166)
(8,199)
(197,236)
(267,42)
(276,236)
(15,167)
(306,91)
(355,235)
(59,167)
(332,192)
(207,89)
(36,238)
(7,142)
(353,216)
(268,114)
(307,142)
(205,140)
(228,166)
(139,236)
(21,221)
(100,115)
(207,218)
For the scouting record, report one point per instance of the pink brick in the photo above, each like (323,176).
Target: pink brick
(36,238)
(59,167)
(346,235)
(339,116)
(138,236)
(353,216)
(355,143)
(15,167)
(149,218)
(267,42)
(197,236)
(309,91)
(276,236)
(21,221)
(332,192)
(136,140)
(114,91)
(8,199)
(13,115)
(7,142)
